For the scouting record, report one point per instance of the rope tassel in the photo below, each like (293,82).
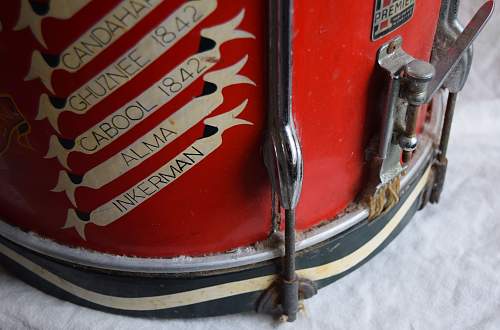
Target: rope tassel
(385,198)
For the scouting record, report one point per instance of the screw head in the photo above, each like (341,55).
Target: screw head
(392,47)
(420,70)
(408,143)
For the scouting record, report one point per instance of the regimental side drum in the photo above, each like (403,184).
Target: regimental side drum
(203,157)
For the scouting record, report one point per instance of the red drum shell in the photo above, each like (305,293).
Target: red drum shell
(225,201)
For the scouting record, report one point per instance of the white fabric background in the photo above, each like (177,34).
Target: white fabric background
(442,272)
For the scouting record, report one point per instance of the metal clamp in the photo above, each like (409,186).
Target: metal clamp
(407,81)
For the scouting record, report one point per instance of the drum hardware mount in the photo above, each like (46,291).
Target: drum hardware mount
(411,84)
(406,92)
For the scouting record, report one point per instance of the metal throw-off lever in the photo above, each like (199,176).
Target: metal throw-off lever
(451,32)
(411,84)
(283,158)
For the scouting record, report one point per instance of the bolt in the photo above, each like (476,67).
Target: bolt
(392,47)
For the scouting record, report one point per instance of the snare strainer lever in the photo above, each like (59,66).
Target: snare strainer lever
(411,84)
(453,66)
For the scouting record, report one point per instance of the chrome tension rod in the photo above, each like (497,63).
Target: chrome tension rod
(283,155)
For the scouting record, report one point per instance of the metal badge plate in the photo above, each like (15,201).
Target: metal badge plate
(389,15)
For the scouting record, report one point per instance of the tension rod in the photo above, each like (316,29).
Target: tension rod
(283,158)
(441,163)
(290,298)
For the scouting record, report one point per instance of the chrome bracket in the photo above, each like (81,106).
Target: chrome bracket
(407,80)
(406,90)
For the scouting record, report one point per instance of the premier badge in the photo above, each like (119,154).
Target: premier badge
(390,15)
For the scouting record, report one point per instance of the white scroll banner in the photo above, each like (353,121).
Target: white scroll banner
(125,68)
(159,137)
(122,204)
(165,89)
(59,9)
(97,38)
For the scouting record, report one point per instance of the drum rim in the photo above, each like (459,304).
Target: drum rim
(188,264)
(224,260)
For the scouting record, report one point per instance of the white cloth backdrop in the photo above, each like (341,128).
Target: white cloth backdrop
(442,272)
